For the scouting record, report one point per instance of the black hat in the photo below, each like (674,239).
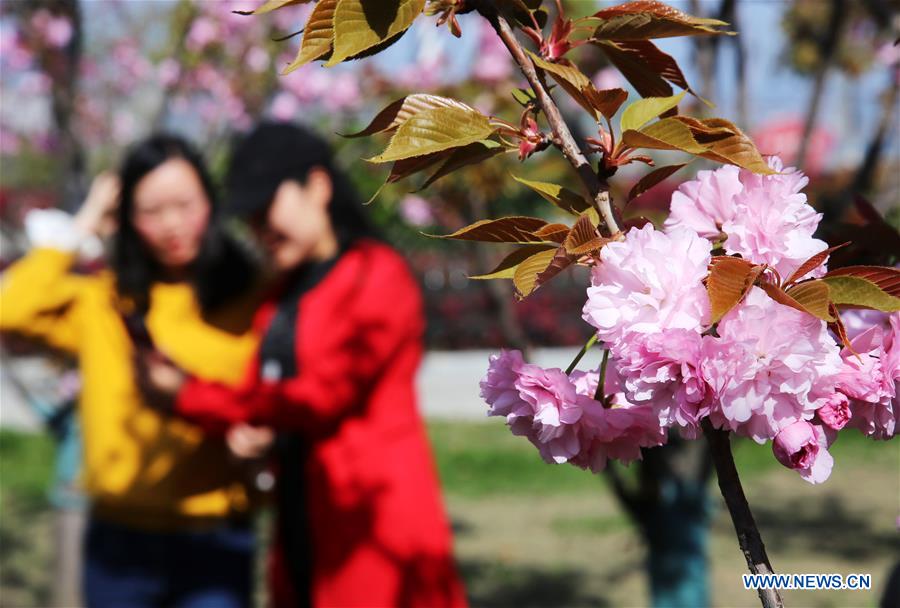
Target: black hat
(270,154)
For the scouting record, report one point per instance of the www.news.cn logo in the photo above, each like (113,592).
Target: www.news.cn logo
(807,581)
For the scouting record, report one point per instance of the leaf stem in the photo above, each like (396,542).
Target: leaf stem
(563,137)
(744,525)
(600,394)
(587,346)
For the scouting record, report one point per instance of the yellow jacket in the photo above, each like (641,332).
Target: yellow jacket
(141,467)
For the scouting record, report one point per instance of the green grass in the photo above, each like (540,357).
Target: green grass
(483,459)
(26,467)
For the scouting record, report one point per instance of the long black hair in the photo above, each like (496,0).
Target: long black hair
(274,152)
(222,270)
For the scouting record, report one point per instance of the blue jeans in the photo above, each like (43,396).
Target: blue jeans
(129,568)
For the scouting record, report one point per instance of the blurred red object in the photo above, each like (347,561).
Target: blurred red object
(782,137)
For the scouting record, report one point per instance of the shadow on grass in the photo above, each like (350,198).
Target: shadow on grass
(24,530)
(823,526)
(491,584)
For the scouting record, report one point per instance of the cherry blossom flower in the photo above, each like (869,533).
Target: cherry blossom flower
(765,218)
(649,282)
(869,377)
(803,447)
(662,370)
(771,366)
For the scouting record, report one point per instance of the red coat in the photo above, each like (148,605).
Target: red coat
(379,533)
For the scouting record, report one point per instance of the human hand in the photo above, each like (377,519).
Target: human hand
(248,442)
(158,378)
(97,214)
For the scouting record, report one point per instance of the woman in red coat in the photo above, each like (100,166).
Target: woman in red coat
(361,522)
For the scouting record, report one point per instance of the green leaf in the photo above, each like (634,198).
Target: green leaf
(271,5)
(506,269)
(887,278)
(398,112)
(643,111)
(652,179)
(856,291)
(435,130)
(811,297)
(317,35)
(665,134)
(525,277)
(646,19)
(523,97)
(363,24)
(562,197)
(513,229)
(462,157)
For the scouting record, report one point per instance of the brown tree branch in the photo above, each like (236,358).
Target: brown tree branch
(562,136)
(744,525)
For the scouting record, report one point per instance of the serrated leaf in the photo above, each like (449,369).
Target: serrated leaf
(856,291)
(665,134)
(525,277)
(408,166)
(563,198)
(435,130)
(652,179)
(643,111)
(605,101)
(361,24)
(560,261)
(553,232)
(271,5)
(814,297)
(813,300)
(569,78)
(317,35)
(729,281)
(659,62)
(506,269)
(644,80)
(512,229)
(462,157)
(837,326)
(583,238)
(398,112)
(736,149)
(812,263)
(887,279)
(645,19)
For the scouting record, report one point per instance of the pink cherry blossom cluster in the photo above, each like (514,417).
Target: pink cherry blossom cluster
(764,371)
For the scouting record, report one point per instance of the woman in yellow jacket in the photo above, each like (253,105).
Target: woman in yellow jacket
(169,522)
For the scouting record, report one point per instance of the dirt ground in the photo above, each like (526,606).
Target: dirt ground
(580,550)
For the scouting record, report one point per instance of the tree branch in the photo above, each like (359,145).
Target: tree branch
(744,525)
(562,136)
